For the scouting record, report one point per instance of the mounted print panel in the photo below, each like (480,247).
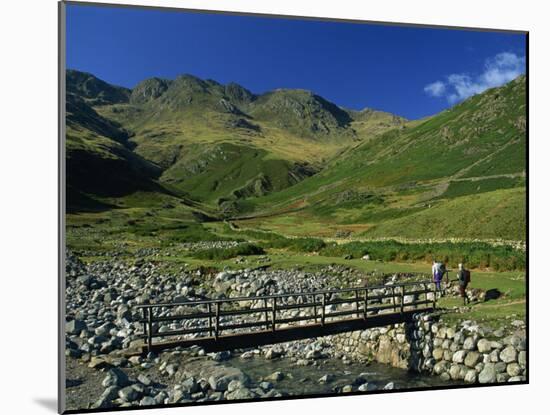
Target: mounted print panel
(262,207)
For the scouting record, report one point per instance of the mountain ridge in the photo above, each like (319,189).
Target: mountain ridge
(291,153)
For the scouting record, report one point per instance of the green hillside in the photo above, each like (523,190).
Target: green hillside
(218,144)
(412,175)
(293,162)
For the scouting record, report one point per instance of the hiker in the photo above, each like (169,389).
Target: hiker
(438,270)
(463,280)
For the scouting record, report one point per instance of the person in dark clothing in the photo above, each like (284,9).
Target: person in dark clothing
(438,271)
(463,281)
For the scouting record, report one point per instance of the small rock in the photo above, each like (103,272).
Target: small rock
(367,387)
(326,378)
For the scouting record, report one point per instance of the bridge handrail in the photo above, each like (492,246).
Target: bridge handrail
(283,295)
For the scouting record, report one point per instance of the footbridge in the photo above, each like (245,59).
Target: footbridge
(242,322)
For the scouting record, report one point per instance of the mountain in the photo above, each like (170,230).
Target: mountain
(93,90)
(216,144)
(459,172)
(294,162)
(99,158)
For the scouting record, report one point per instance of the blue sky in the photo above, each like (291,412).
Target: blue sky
(412,72)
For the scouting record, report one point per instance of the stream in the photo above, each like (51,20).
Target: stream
(304,380)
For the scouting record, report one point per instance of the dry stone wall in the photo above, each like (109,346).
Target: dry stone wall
(466,352)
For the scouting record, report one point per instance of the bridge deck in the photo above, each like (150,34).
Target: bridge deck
(281,335)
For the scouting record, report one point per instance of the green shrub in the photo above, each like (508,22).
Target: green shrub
(475,255)
(227,253)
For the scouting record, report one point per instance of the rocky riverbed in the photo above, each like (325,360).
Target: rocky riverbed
(102,325)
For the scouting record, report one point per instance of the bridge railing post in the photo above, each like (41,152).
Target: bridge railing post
(434,294)
(150,329)
(357,303)
(274,314)
(217,321)
(393,298)
(314,298)
(266,316)
(144,314)
(402,299)
(366,303)
(210,319)
(323,305)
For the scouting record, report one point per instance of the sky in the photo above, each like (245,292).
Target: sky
(409,71)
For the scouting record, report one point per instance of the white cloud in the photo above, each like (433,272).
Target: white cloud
(435,89)
(498,70)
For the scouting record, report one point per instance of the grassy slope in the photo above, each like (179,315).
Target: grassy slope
(414,176)
(279,137)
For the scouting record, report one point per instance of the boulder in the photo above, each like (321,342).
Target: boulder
(128,394)
(75,327)
(508,354)
(367,387)
(459,356)
(472,359)
(242,393)
(437,353)
(470,343)
(147,401)
(144,379)
(220,377)
(513,369)
(115,377)
(488,374)
(454,372)
(471,376)
(484,346)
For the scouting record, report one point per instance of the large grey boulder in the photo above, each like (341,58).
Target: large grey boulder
(484,346)
(115,377)
(367,387)
(75,327)
(513,369)
(459,356)
(220,376)
(472,359)
(241,393)
(470,343)
(508,354)
(128,394)
(437,353)
(488,374)
(471,376)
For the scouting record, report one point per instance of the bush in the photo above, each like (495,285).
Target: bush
(219,254)
(475,255)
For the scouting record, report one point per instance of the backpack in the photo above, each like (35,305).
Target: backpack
(466,276)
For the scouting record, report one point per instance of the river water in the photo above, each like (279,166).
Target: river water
(304,380)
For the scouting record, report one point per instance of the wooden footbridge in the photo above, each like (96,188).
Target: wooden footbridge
(241,322)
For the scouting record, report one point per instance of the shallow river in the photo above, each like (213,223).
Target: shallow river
(301,380)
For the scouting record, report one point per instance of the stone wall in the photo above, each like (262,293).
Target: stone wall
(466,351)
